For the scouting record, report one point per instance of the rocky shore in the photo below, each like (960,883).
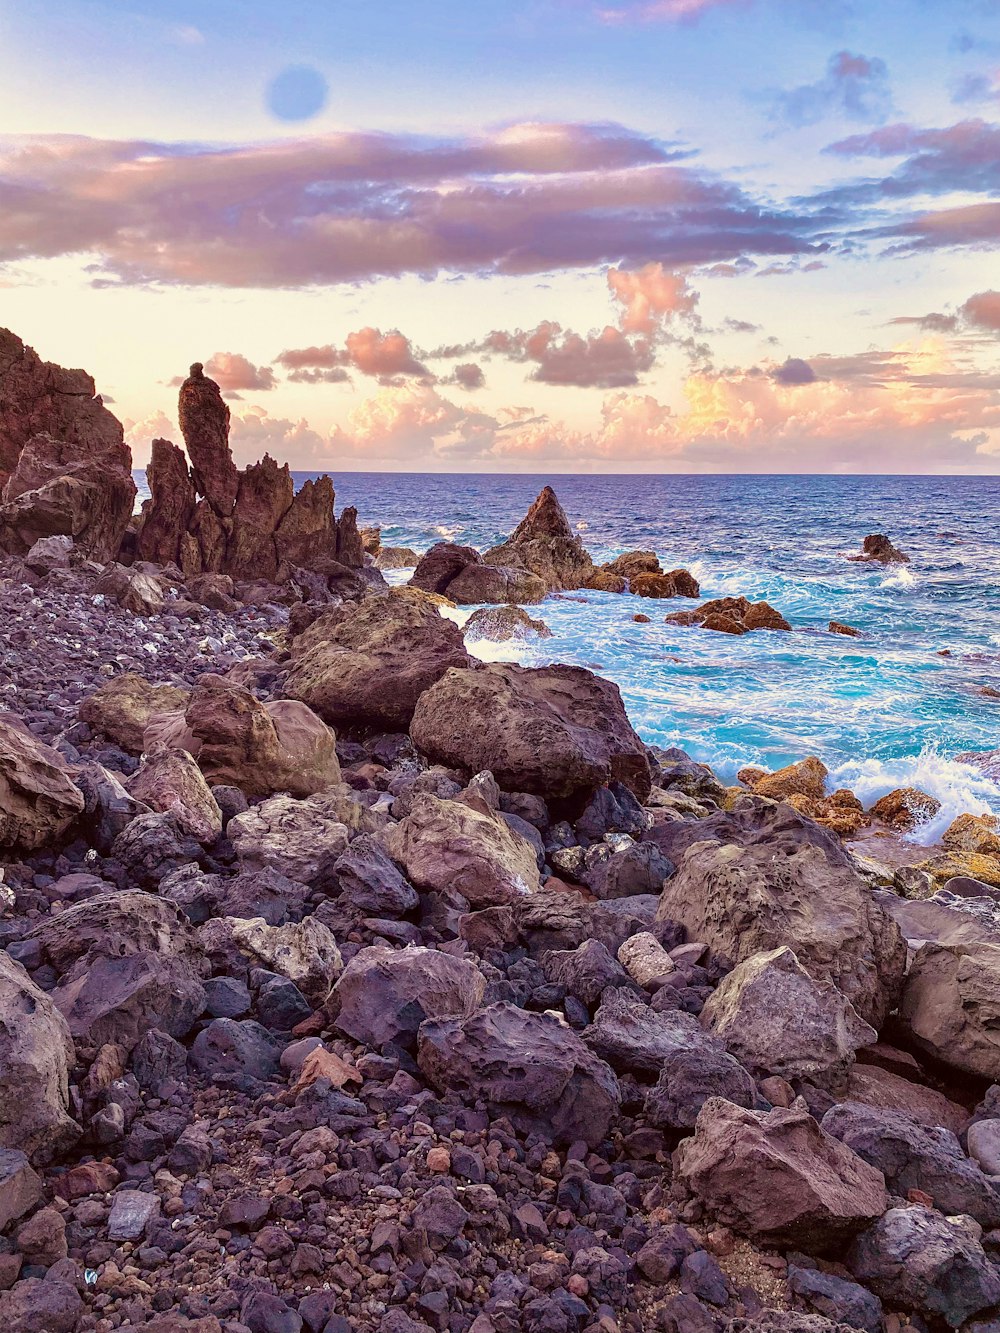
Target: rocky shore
(348,982)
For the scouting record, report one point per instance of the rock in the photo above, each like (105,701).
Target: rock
(38,798)
(36,1054)
(502,623)
(885,1090)
(913,1156)
(806,778)
(41,1305)
(236,1054)
(42,1239)
(771,893)
(121,708)
(677,583)
(528,1066)
(301,839)
(731,615)
(917,1260)
(20,1187)
(841,1301)
(259,748)
(837,627)
(984,1145)
(152,846)
(639,869)
(305,952)
(951,1005)
(905,808)
(446,845)
(171,782)
(49,553)
(375,664)
(554,731)
(132,1214)
(383,995)
(204,421)
(370,881)
(134,591)
(776,1019)
(495,584)
(544,544)
(443,562)
(252,893)
(396,557)
(630,563)
(168,513)
(778,1178)
(879,548)
(585,971)
(645,959)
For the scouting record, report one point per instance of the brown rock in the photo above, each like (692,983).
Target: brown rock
(762,615)
(878,547)
(204,419)
(307,534)
(604,581)
(678,583)
(905,808)
(951,1006)
(723,624)
(263,497)
(170,781)
(632,563)
(38,799)
(442,563)
(544,544)
(350,549)
(838,627)
(496,584)
(806,778)
(120,709)
(167,514)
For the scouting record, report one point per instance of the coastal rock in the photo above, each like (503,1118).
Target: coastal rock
(134,591)
(385,994)
(442,563)
(777,1020)
(752,899)
(264,494)
(731,615)
(838,627)
(170,781)
(36,1054)
(121,708)
(806,778)
(918,1260)
(912,1156)
(167,514)
(204,421)
(632,563)
(905,808)
(38,798)
(446,845)
(502,623)
(951,1006)
(885,1090)
(306,534)
(778,1178)
(878,547)
(299,838)
(554,731)
(584,972)
(396,557)
(675,583)
(375,664)
(495,584)
(544,544)
(528,1066)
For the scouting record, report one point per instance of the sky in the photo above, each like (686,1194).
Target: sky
(531,236)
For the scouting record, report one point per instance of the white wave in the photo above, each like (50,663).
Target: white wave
(960,788)
(447,531)
(902,579)
(582,525)
(511,650)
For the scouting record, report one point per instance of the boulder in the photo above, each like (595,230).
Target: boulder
(169,780)
(806,778)
(448,846)
(375,664)
(914,1156)
(236,1054)
(905,808)
(135,591)
(630,563)
(544,544)
(443,562)
(252,893)
(885,1090)
(41,1305)
(951,1006)
(304,951)
(586,971)
(396,557)
(502,623)
(530,1067)
(645,959)
(777,1178)
(370,881)
(771,893)
(777,1020)
(299,838)
(38,798)
(915,1259)
(677,583)
(877,547)
(495,584)
(121,708)
(556,731)
(36,1054)
(383,995)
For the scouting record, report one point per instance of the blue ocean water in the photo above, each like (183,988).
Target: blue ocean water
(880,711)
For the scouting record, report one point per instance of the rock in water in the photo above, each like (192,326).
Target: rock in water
(204,420)
(553,731)
(64,464)
(543,543)
(878,547)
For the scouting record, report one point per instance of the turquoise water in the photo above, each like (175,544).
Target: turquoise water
(879,711)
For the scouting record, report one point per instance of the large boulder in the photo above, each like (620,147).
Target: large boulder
(447,845)
(530,1067)
(121,708)
(376,663)
(556,731)
(38,798)
(299,838)
(383,995)
(951,1006)
(305,951)
(778,1178)
(743,900)
(443,562)
(544,544)
(496,584)
(36,1054)
(260,748)
(776,1019)
(170,781)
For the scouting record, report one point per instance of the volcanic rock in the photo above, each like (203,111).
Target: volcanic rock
(879,548)
(383,995)
(121,708)
(36,1054)
(38,799)
(544,544)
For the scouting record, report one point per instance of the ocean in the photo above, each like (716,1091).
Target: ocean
(882,711)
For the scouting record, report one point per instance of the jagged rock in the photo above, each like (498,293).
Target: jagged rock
(38,798)
(551,731)
(585,971)
(236,1054)
(151,846)
(307,533)
(528,1066)
(254,893)
(885,1090)
(787,891)
(544,544)
(49,553)
(204,421)
(370,881)
(170,781)
(36,1054)
(806,778)
(912,1156)
(916,1259)
(446,845)
(350,550)
(167,514)
(121,708)
(443,562)
(373,666)
(500,623)
(878,547)
(21,1187)
(299,838)
(777,1178)
(776,1019)
(951,1006)
(264,495)
(396,557)
(304,951)
(383,995)
(844,1302)
(905,808)
(632,563)
(645,959)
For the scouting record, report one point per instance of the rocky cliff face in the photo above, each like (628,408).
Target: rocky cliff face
(64,465)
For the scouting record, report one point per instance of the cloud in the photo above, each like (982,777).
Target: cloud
(794,371)
(964,156)
(854,86)
(660,11)
(349,207)
(231,371)
(384,356)
(650,296)
(255,433)
(983,310)
(467,375)
(980,312)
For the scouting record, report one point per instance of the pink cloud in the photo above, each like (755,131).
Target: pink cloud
(983,310)
(650,295)
(659,11)
(232,371)
(384,356)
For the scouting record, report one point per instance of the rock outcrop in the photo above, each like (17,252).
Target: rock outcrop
(544,544)
(878,548)
(38,798)
(730,615)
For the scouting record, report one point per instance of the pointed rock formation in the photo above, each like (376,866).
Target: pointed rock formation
(167,515)
(543,543)
(204,419)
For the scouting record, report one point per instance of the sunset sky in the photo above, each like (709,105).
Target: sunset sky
(530,235)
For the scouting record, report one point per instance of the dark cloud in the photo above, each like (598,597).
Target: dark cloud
(794,371)
(854,86)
